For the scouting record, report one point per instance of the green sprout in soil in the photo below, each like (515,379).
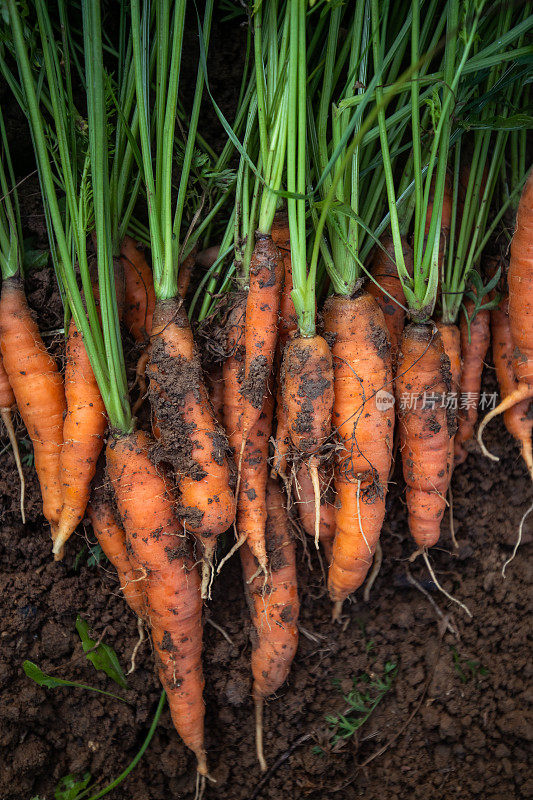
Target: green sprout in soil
(367,693)
(467,670)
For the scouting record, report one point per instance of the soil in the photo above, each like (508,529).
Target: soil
(455,722)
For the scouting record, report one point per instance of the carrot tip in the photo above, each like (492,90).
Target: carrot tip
(336,613)
(259,733)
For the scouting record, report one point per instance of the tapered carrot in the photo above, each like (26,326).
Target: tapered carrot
(7,402)
(274,608)
(307,376)
(190,438)
(83,437)
(111,537)
(38,389)
(423,383)
(383,269)
(261,327)
(517,419)
(474,349)
(155,540)
(520,280)
(139,285)
(364,422)
(304,496)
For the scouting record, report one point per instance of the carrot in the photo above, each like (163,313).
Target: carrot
(426,426)
(232,370)
(305,505)
(190,438)
(307,377)
(155,542)
(38,388)
(7,402)
(215,384)
(362,368)
(451,341)
(383,270)
(473,349)
(111,537)
(274,609)
(83,437)
(517,419)
(185,273)
(139,286)
(260,331)
(206,258)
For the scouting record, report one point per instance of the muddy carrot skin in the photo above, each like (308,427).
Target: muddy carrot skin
(215,384)
(517,419)
(474,351)
(39,391)
(261,327)
(304,498)
(191,439)
(154,538)
(274,607)
(451,341)
(233,371)
(384,271)
(139,290)
(362,366)
(426,425)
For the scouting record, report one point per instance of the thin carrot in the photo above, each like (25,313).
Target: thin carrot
(307,377)
(140,295)
(520,280)
(423,383)
(362,364)
(274,608)
(7,403)
(190,438)
(111,537)
(185,273)
(517,419)
(38,388)
(305,505)
(383,270)
(154,538)
(474,349)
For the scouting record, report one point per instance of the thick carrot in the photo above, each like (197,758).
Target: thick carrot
(517,419)
(364,422)
(305,504)
(139,286)
(474,350)
(7,402)
(83,437)
(191,439)
(38,388)
(520,280)
(308,395)
(111,537)
(155,542)
(423,383)
(383,269)
(274,608)
(261,327)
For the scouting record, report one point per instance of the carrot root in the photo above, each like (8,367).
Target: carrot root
(522,392)
(5,413)
(259,706)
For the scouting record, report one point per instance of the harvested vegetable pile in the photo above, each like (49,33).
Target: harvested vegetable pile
(256,335)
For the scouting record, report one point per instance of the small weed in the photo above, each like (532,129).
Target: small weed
(467,670)
(94,557)
(363,699)
(70,787)
(28,457)
(101,655)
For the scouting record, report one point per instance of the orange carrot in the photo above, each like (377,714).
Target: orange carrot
(232,370)
(517,419)
(83,437)
(307,377)
(38,389)
(215,384)
(305,505)
(190,438)
(7,402)
(423,382)
(274,608)
(384,271)
(111,537)
(365,425)
(185,273)
(261,328)
(140,295)
(155,542)
(473,349)
(451,341)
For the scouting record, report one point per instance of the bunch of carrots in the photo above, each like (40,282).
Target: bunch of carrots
(357,180)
